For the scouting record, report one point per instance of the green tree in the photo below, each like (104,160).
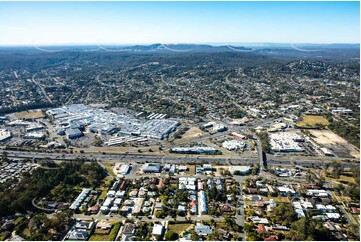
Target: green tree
(171,235)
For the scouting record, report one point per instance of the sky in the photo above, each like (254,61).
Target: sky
(56,23)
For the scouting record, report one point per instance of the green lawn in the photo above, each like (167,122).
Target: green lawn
(18,220)
(99,237)
(179,228)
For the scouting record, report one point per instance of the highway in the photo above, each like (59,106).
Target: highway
(186,159)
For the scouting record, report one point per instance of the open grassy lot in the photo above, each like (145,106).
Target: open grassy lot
(109,166)
(179,228)
(106,237)
(310,121)
(348,180)
(104,187)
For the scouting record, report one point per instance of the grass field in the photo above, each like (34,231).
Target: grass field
(191,169)
(179,228)
(30,114)
(310,121)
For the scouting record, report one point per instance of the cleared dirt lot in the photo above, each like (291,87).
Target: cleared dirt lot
(192,133)
(334,142)
(33,114)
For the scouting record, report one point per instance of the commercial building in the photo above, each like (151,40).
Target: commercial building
(105,122)
(243,170)
(122,169)
(285,142)
(202,203)
(151,168)
(341,110)
(233,144)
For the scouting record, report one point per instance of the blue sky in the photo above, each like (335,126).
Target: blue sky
(39,23)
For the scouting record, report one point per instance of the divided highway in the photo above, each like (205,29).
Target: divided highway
(142,158)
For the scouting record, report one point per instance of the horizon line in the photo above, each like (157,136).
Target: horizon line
(180,43)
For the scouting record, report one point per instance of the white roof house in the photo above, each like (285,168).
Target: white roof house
(158,229)
(117,201)
(111,194)
(202,229)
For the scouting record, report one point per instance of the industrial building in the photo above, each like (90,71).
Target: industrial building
(194,150)
(237,135)
(5,135)
(34,135)
(219,128)
(73,133)
(327,152)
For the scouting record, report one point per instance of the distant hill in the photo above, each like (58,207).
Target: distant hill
(176,54)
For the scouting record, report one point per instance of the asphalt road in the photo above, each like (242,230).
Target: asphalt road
(145,218)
